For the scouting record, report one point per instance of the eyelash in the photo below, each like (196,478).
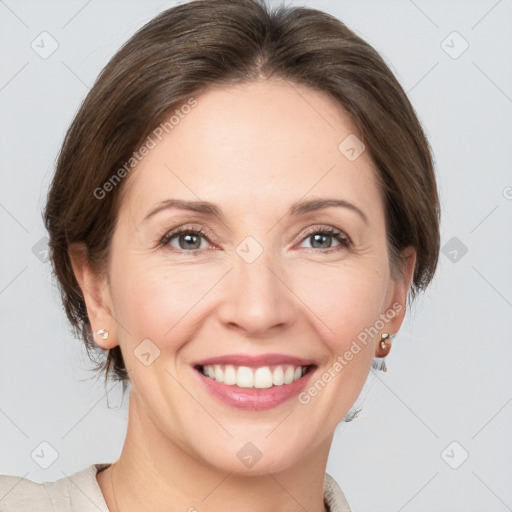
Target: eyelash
(325,230)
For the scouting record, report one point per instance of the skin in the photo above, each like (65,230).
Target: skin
(253,150)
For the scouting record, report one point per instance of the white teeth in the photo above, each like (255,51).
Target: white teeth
(260,378)
(278,376)
(263,377)
(289,374)
(230,375)
(244,377)
(219,374)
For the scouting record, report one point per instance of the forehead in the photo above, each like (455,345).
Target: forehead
(253,144)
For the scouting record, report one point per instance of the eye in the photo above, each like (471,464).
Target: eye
(323,237)
(189,239)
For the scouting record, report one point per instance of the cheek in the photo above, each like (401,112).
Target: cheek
(154,303)
(344,301)
(345,304)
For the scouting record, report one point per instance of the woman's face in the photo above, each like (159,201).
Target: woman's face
(266,286)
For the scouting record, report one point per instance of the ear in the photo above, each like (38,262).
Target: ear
(395,304)
(96,293)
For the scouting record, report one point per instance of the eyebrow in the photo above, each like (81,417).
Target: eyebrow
(210,209)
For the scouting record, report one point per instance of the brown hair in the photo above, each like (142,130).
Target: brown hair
(205,43)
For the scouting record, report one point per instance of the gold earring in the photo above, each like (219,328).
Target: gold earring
(103,333)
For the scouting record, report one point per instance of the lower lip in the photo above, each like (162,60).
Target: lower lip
(254,399)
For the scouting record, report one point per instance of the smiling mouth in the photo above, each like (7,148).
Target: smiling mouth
(262,377)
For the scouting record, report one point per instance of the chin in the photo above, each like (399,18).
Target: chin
(252,452)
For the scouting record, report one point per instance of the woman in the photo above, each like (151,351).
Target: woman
(241,208)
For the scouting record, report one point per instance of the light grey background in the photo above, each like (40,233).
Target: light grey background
(449,377)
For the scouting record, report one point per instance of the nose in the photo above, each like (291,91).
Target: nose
(257,300)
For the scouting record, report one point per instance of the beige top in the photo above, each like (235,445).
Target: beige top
(80,492)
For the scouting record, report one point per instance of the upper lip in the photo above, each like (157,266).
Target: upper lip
(255,361)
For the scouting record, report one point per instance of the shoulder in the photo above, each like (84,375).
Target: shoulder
(78,492)
(18,493)
(334,497)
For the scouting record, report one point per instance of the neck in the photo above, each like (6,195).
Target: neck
(154,473)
